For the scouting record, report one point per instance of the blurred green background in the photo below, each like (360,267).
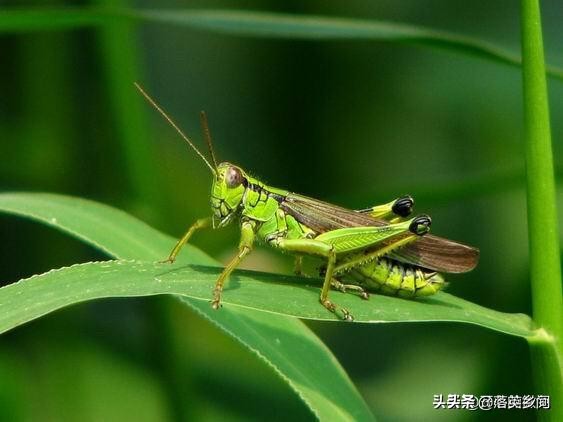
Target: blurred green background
(350,122)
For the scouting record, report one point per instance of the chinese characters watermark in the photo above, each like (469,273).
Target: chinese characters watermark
(489,402)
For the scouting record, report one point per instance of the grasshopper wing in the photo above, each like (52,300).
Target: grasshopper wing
(430,252)
(438,254)
(322,217)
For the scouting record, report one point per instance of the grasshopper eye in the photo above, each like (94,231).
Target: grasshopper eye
(233,177)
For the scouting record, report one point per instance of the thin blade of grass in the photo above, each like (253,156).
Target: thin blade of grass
(264,25)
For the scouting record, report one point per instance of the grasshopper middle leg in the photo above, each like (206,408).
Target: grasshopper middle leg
(344,288)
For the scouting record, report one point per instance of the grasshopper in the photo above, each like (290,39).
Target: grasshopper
(375,249)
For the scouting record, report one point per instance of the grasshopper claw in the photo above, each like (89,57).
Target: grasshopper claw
(346,316)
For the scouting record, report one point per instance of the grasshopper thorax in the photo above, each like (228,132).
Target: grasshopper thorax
(227,192)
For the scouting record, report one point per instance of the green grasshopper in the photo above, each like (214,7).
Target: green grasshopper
(376,249)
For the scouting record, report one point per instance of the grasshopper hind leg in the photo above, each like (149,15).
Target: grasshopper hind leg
(323,250)
(339,311)
(394,211)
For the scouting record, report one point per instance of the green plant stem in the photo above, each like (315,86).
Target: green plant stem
(545,266)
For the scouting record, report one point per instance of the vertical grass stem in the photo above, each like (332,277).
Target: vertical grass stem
(545,266)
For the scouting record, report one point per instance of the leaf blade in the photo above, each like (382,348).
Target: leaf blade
(125,237)
(271,293)
(262,25)
(121,235)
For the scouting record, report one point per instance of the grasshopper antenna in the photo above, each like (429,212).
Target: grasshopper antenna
(175,126)
(207,135)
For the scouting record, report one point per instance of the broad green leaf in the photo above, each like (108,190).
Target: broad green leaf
(263,25)
(316,376)
(285,295)
(123,236)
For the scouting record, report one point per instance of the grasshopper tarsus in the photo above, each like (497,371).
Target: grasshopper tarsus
(216,301)
(168,260)
(349,288)
(345,315)
(341,313)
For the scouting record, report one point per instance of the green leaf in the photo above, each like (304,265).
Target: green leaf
(285,344)
(123,236)
(263,25)
(278,294)
(279,25)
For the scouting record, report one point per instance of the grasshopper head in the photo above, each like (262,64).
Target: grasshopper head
(227,192)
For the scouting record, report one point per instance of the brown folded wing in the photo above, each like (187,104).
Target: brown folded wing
(431,252)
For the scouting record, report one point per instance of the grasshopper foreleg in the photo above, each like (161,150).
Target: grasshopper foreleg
(202,223)
(247,236)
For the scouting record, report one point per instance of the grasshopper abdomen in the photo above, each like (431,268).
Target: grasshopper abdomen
(390,277)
